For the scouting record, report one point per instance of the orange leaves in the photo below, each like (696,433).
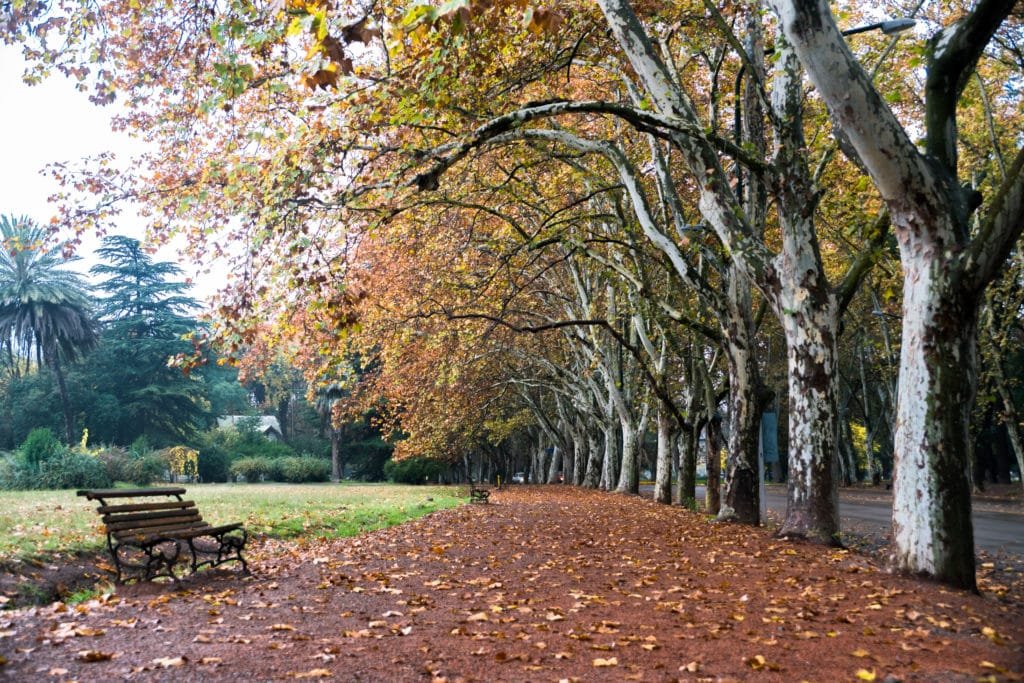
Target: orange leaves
(323,78)
(281,627)
(542,20)
(361,31)
(759,663)
(95,656)
(169,662)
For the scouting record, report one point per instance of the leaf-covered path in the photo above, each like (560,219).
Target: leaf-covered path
(542,584)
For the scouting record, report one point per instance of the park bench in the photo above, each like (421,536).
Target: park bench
(479,493)
(150,535)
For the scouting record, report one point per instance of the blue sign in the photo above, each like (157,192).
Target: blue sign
(770,437)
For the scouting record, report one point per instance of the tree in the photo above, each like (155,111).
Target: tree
(43,308)
(948,259)
(327,398)
(145,317)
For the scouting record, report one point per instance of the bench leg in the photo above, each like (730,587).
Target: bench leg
(229,548)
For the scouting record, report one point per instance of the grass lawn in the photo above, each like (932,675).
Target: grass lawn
(35,523)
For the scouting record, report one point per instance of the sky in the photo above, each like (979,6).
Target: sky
(53,122)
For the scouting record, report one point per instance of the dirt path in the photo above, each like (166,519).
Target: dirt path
(541,585)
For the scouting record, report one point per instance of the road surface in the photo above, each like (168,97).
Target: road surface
(998,527)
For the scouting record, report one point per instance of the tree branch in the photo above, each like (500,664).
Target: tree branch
(1001,228)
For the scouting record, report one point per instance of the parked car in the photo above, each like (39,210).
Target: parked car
(519,478)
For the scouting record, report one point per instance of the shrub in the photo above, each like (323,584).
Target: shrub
(73,470)
(217,449)
(258,447)
(16,475)
(180,461)
(414,470)
(253,469)
(145,470)
(41,445)
(302,470)
(214,465)
(115,462)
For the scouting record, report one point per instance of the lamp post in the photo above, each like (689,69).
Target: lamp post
(890,27)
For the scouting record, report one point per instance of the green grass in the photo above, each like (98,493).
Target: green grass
(36,523)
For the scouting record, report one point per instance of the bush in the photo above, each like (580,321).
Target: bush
(132,466)
(253,469)
(413,470)
(73,470)
(366,459)
(258,447)
(291,470)
(145,470)
(214,465)
(16,475)
(115,462)
(41,445)
(302,470)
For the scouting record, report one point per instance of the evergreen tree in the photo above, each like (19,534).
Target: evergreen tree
(146,315)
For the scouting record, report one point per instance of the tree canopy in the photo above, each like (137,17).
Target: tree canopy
(567,227)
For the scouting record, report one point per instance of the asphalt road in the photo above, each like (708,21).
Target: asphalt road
(997,527)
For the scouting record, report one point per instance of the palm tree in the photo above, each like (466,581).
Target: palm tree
(326,398)
(43,308)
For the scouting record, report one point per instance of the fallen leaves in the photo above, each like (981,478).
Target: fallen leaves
(649,608)
(281,627)
(759,663)
(169,662)
(94,656)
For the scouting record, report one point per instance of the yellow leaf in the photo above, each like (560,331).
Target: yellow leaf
(94,656)
(992,635)
(865,675)
(479,616)
(313,673)
(86,631)
(860,652)
(611,661)
(281,627)
(168,662)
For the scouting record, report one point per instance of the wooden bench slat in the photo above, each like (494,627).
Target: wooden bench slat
(184,534)
(165,520)
(154,532)
(108,510)
(93,494)
(209,531)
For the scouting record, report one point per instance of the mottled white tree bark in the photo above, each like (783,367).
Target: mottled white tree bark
(945,271)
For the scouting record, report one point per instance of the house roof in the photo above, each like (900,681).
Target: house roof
(267,424)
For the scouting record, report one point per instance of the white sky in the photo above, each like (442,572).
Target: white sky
(53,122)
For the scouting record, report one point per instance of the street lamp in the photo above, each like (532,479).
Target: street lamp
(889,28)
